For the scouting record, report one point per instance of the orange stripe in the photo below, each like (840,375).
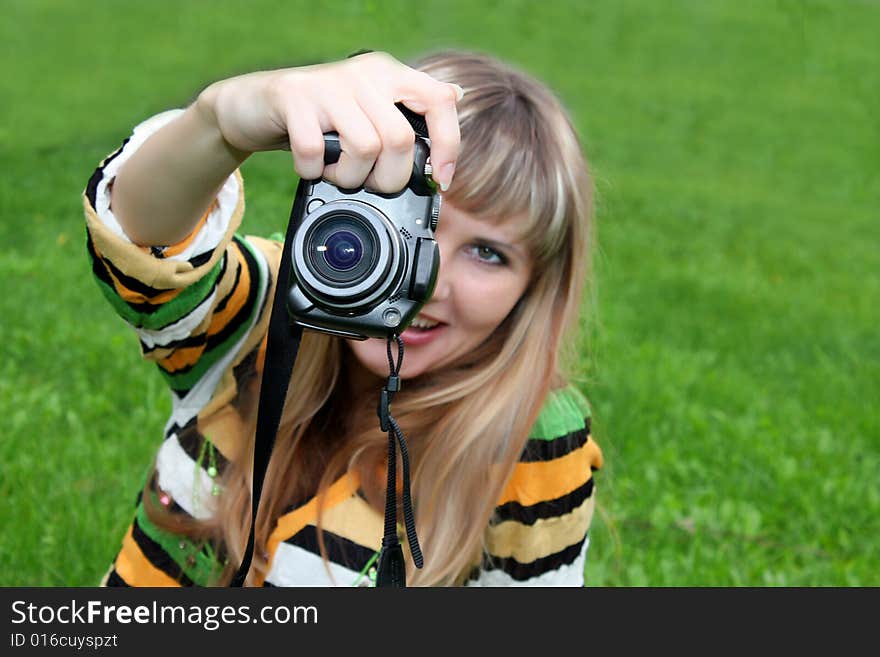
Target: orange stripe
(180,247)
(135,568)
(291,523)
(238,299)
(137,297)
(180,358)
(129,295)
(546,480)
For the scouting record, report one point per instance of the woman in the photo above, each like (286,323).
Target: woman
(500,447)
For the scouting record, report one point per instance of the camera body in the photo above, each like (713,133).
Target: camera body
(363,263)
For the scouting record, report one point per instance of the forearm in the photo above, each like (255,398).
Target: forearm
(166,186)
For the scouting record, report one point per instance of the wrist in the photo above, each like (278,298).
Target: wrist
(203,113)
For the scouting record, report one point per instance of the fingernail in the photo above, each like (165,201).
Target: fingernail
(458,91)
(446,172)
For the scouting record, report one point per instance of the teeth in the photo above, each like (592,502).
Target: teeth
(418,322)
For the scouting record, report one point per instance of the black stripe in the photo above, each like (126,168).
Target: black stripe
(114,579)
(546,450)
(523,571)
(202,258)
(92,185)
(192,440)
(340,550)
(248,369)
(176,428)
(157,556)
(98,267)
(180,393)
(130,283)
(247,307)
(528,515)
(225,300)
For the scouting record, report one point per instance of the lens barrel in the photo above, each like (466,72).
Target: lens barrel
(346,254)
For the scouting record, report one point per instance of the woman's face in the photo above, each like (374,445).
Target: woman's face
(484,269)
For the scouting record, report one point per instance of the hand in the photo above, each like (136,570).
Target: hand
(292,108)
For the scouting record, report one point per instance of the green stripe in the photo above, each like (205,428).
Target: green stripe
(187,380)
(167,313)
(563,412)
(198,563)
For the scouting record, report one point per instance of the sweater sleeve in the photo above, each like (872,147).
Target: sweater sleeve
(198,309)
(540,530)
(193,305)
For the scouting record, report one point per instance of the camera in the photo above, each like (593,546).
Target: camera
(363,263)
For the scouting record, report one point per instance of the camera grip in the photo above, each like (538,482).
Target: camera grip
(419,180)
(332,148)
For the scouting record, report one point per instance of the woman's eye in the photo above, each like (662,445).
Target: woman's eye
(487,255)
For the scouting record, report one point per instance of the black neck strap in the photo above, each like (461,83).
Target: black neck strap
(391,569)
(281,349)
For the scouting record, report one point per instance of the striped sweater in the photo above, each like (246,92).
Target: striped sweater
(199,309)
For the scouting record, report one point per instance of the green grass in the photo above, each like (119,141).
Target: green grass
(735,365)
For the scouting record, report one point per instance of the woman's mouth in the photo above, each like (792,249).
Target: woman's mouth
(422,331)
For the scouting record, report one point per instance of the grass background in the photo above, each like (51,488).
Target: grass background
(735,365)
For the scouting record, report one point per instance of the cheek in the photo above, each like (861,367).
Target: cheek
(485,301)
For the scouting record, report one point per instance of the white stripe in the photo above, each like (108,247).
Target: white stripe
(182,410)
(217,223)
(180,329)
(570,575)
(188,484)
(296,566)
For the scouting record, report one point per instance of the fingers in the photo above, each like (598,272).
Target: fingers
(306,145)
(394,164)
(437,102)
(356,99)
(360,145)
(443,128)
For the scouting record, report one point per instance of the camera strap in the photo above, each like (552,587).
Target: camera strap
(281,348)
(391,570)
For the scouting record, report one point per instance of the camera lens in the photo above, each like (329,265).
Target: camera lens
(347,255)
(343,250)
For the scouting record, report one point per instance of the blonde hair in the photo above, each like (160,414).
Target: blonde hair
(467,424)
